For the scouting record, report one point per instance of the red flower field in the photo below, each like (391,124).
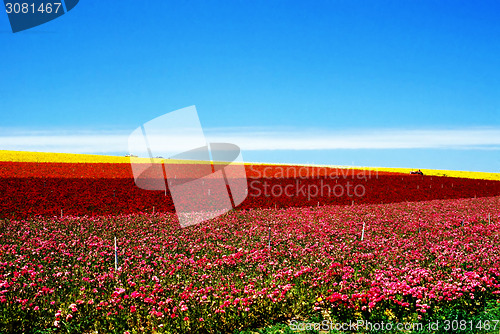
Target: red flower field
(88,189)
(408,249)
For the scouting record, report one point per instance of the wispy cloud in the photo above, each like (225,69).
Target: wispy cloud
(261,139)
(477,138)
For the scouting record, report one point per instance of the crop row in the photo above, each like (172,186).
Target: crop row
(25,197)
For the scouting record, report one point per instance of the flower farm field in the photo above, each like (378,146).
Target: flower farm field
(410,249)
(221,276)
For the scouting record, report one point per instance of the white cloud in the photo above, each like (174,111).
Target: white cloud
(361,139)
(262,139)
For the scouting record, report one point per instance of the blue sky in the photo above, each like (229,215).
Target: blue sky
(268,71)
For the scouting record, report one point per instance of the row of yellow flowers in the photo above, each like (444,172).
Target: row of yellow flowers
(21,156)
(449,173)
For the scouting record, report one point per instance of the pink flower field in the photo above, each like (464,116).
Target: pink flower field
(249,268)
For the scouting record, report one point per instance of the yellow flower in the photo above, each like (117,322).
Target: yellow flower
(389,314)
(319,299)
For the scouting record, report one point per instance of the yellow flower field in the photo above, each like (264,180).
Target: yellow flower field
(450,173)
(21,156)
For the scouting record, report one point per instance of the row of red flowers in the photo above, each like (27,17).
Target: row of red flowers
(124,170)
(26,195)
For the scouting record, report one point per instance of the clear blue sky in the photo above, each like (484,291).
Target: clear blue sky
(281,67)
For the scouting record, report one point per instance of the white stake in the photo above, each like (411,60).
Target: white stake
(363,232)
(116,257)
(153,210)
(269,239)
